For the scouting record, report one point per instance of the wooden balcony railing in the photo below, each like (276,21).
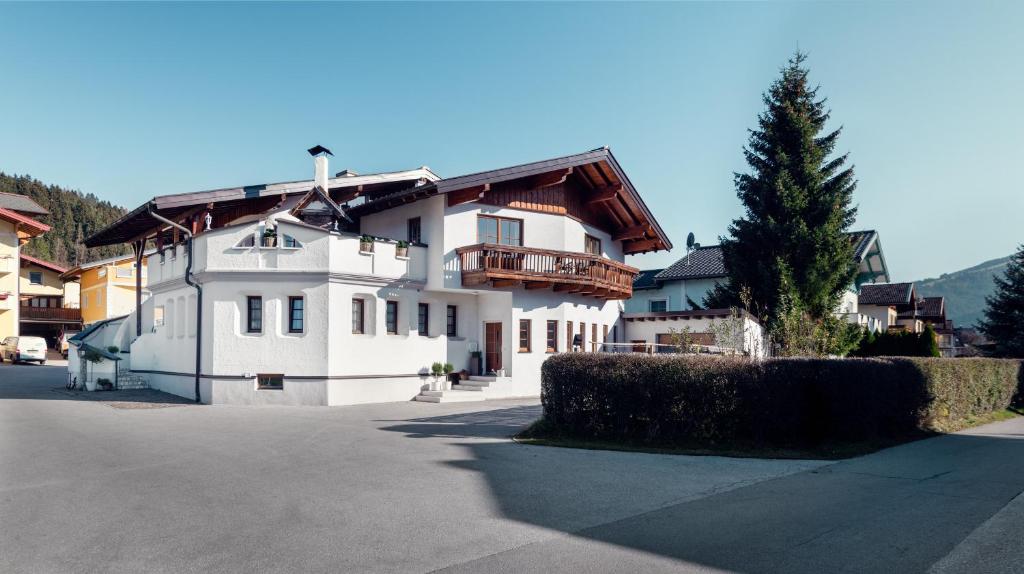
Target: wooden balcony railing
(509,266)
(55,314)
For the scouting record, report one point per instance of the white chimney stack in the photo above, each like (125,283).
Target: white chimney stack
(320,171)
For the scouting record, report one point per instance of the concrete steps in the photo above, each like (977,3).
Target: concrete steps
(452,396)
(132,382)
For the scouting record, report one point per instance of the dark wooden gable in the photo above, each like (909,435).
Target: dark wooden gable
(317,208)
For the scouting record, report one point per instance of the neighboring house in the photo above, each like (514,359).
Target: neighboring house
(97,342)
(894,305)
(683,285)
(345,290)
(932,311)
(662,331)
(108,287)
(49,305)
(17,226)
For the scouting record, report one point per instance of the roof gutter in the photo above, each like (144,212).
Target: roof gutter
(191,281)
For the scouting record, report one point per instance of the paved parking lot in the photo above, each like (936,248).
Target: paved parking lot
(416,487)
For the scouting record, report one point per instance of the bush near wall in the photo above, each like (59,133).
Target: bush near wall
(683,400)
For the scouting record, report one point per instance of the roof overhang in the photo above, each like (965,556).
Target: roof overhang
(26,226)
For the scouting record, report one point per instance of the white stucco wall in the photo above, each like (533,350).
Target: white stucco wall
(648,331)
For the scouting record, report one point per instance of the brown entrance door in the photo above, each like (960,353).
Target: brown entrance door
(492,346)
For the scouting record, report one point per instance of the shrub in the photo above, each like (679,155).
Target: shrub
(666,400)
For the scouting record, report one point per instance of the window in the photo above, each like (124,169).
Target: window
(552,339)
(296,314)
(271,382)
(423,319)
(158,316)
(414,230)
(452,326)
(291,243)
(35,277)
(102,272)
(583,336)
(123,273)
(524,335)
(247,241)
(254,314)
(499,230)
(657,305)
(357,316)
(85,301)
(391,317)
(593,338)
(568,335)
(592,245)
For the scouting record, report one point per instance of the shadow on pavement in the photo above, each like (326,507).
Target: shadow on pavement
(34,382)
(898,510)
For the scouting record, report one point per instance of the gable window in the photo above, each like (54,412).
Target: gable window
(500,230)
(247,241)
(524,335)
(657,305)
(391,317)
(357,316)
(415,231)
(271,382)
(552,339)
(35,277)
(592,245)
(423,318)
(254,314)
(296,314)
(290,243)
(452,321)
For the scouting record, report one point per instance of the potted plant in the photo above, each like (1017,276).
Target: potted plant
(402,250)
(269,237)
(437,369)
(366,244)
(448,368)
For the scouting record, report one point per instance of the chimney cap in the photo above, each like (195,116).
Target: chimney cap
(319,149)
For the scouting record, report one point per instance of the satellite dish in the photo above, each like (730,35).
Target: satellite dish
(689,240)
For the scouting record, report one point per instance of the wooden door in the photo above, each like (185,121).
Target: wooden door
(492,346)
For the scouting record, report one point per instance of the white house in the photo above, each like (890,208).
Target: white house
(346,290)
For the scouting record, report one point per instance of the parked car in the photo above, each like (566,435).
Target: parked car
(63,344)
(23,349)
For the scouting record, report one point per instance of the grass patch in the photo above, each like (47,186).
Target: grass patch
(543,433)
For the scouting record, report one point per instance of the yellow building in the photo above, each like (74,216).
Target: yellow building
(17,226)
(49,304)
(107,287)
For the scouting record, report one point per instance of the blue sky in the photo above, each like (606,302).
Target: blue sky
(128,101)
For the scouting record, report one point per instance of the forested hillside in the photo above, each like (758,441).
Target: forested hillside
(964,290)
(73,217)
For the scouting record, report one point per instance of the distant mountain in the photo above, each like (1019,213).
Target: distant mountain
(73,217)
(964,290)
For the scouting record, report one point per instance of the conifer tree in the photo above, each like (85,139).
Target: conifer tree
(790,248)
(1004,314)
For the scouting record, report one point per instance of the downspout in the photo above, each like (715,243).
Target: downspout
(191,283)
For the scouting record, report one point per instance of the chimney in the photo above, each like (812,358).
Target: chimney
(319,154)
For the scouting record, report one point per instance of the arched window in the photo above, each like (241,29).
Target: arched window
(290,242)
(247,241)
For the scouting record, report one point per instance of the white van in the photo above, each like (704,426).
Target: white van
(23,349)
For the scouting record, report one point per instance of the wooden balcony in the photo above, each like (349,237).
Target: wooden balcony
(563,271)
(51,314)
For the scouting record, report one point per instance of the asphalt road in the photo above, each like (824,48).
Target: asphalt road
(412,487)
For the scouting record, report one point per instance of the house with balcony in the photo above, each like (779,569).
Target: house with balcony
(683,286)
(932,311)
(49,305)
(107,287)
(18,224)
(894,305)
(346,289)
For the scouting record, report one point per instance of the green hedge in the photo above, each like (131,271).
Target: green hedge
(666,400)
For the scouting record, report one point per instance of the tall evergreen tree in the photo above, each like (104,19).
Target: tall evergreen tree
(1004,315)
(789,251)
